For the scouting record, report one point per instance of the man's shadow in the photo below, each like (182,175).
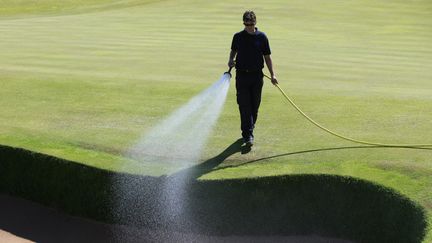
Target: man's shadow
(212,164)
(209,165)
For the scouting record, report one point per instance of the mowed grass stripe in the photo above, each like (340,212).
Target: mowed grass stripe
(377,63)
(12,9)
(172,39)
(160,39)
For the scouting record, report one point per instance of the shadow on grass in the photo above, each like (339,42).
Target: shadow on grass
(326,205)
(312,151)
(208,165)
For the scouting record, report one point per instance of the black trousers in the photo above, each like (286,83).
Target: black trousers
(249,87)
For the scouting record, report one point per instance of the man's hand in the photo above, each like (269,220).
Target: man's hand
(231,63)
(269,63)
(274,80)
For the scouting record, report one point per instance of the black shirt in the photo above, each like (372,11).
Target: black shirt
(250,49)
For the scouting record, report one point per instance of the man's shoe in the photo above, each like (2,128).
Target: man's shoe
(250,141)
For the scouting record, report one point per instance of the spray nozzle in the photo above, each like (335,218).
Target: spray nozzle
(229,72)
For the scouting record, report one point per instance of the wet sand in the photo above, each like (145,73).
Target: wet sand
(10,238)
(25,221)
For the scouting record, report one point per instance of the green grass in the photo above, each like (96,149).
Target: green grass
(26,8)
(86,86)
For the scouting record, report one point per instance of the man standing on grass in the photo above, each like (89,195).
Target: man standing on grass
(250,48)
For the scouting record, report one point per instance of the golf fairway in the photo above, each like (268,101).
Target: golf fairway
(85,82)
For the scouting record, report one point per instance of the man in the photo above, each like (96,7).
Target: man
(250,48)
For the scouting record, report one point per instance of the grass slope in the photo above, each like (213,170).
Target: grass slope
(357,210)
(86,87)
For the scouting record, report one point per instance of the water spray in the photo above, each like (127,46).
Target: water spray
(178,140)
(173,144)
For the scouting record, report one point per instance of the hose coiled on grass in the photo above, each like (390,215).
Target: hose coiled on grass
(342,136)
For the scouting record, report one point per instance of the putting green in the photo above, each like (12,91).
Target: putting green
(86,86)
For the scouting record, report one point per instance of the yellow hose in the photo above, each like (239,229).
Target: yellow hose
(342,136)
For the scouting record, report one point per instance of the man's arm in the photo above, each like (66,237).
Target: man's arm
(269,64)
(231,62)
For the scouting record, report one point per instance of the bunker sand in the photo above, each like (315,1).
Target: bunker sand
(37,223)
